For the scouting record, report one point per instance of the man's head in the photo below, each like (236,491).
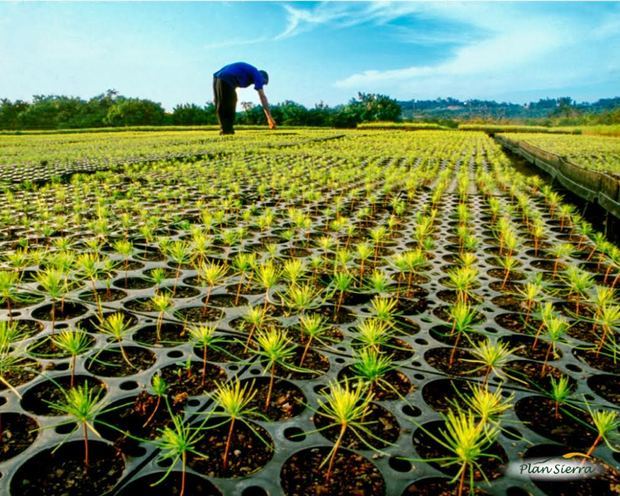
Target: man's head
(265,76)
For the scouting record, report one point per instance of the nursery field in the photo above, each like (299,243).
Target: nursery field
(299,313)
(599,153)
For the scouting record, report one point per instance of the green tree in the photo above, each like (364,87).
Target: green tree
(135,112)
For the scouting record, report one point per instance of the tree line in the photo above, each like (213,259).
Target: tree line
(110,109)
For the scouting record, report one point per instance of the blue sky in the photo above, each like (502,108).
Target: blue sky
(313,51)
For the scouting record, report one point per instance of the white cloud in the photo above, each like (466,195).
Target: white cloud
(522,48)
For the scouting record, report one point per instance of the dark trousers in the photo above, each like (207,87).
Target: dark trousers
(225,99)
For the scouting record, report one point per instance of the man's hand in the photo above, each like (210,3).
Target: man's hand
(272,124)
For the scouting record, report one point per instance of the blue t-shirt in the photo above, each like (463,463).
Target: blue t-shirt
(241,75)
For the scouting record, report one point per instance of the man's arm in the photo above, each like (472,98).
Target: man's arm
(265,103)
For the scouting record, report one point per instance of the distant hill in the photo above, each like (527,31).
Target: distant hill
(451,108)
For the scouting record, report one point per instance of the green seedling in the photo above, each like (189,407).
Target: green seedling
(74,342)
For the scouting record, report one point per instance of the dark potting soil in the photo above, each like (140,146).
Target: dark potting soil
(45,347)
(380,428)
(601,361)
(26,371)
(287,400)
(567,428)
(332,335)
(110,362)
(441,394)
(68,311)
(140,415)
(227,301)
(451,296)
(199,314)
(62,471)
(17,432)
(436,486)
(250,450)
(427,447)
(405,326)
(569,308)
(227,351)
(142,304)
(103,295)
(444,334)
(509,302)
(443,313)
(522,346)
(439,358)
(315,363)
(24,300)
(246,289)
(171,335)
(342,316)
(606,386)
(509,287)
(584,331)
(180,291)
(501,274)
(38,398)
(152,485)
(91,324)
(409,306)
(304,474)
(391,386)
(514,322)
(28,328)
(133,283)
(531,374)
(184,381)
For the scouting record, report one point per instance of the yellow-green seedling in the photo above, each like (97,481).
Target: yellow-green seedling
(73,342)
(345,407)
(275,349)
(206,338)
(313,327)
(161,302)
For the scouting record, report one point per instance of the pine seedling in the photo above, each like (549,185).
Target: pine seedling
(468,441)
(160,388)
(491,357)
(74,342)
(268,276)
(175,443)
(371,367)
(607,424)
(560,392)
(9,293)
(275,349)
(344,407)
(313,327)
(212,273)
(115,326)
(234,400)
(162,302)
(205,338)
(243,263)
(341,282)
(82,404)
(384,309)
(373,334)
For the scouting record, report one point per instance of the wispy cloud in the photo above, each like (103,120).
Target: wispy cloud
(304,19)
(521,46)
